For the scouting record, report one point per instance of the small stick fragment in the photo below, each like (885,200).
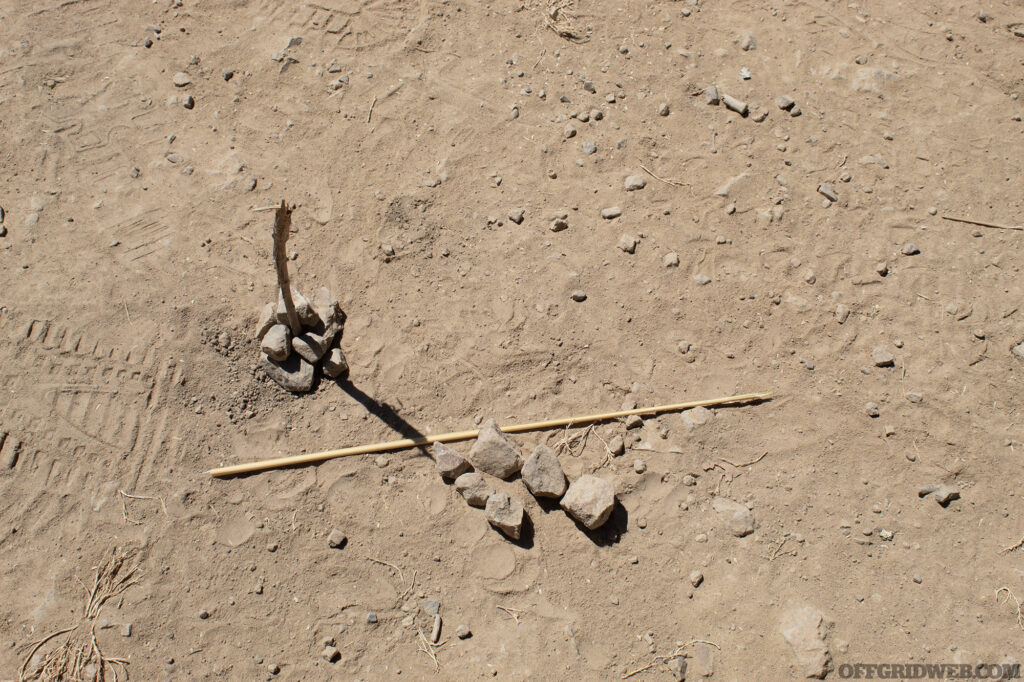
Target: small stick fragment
(982,223)
(512,612)
(656,177)
(384,563)
(1007,550)
(370,112)
(745,464)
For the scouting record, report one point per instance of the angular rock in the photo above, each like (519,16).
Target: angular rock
(506,514)
(450,464)
(311,346)
(825,190)
(336,539)
(335,365)
(617,446)
(945,494)
(328,312)
(804,630)
(678,669)
(748,42)
(671,260)
(305,312)
(611,212)
(276,343)
(517,216)
(738,519)
(294,374)
(784,102)
(181,79)
(882,358)
(542,473)
(268,318)
(628,243)
(697,416)
(1018,351)
(493,453)
(590,500)
(634,182)
(910,249)
(473,488)
(711,95)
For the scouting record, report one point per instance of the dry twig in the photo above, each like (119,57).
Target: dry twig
(1020,608)
(384,563)
(1007,550)
(673,183)
(679,651)
(982,223)
(512,612)
(745,464)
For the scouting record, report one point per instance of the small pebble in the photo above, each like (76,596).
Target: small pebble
(463,632)
(181,79)
(579,295)
(639,466)
(871,409)
(671,260)
(784,102)
(611,212)
(663,109)
(589,147)
(910,249)
(696,578)
(336,539)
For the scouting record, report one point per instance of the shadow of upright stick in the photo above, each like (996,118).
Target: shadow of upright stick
(383,411)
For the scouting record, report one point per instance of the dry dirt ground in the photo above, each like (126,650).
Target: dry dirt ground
(133,267)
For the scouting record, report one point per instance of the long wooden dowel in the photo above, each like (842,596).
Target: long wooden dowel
(406,443)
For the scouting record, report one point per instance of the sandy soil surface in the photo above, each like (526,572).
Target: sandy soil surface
(801,254)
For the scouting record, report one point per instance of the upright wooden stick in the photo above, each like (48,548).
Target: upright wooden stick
(282,223)
(406,443)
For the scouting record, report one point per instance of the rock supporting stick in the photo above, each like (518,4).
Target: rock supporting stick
(407,443)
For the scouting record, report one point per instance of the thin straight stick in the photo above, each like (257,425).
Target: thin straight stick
(407,443)
(282,222)
(983,224)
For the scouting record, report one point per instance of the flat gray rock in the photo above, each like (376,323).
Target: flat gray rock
(542,473)
(737,518)
(267,319)
(450,464)
(335,365)
(804,630)
(294,374)
(590,500)
(276,343)
(945,494)
(506,514)
(473,488)
(882,358)
(328,312)
(634,182)
(493,453)
(311,346)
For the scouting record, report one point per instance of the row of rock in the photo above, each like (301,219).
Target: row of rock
(588,499)
(291,360)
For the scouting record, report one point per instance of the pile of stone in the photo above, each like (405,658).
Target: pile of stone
(588,499)
(291,360)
